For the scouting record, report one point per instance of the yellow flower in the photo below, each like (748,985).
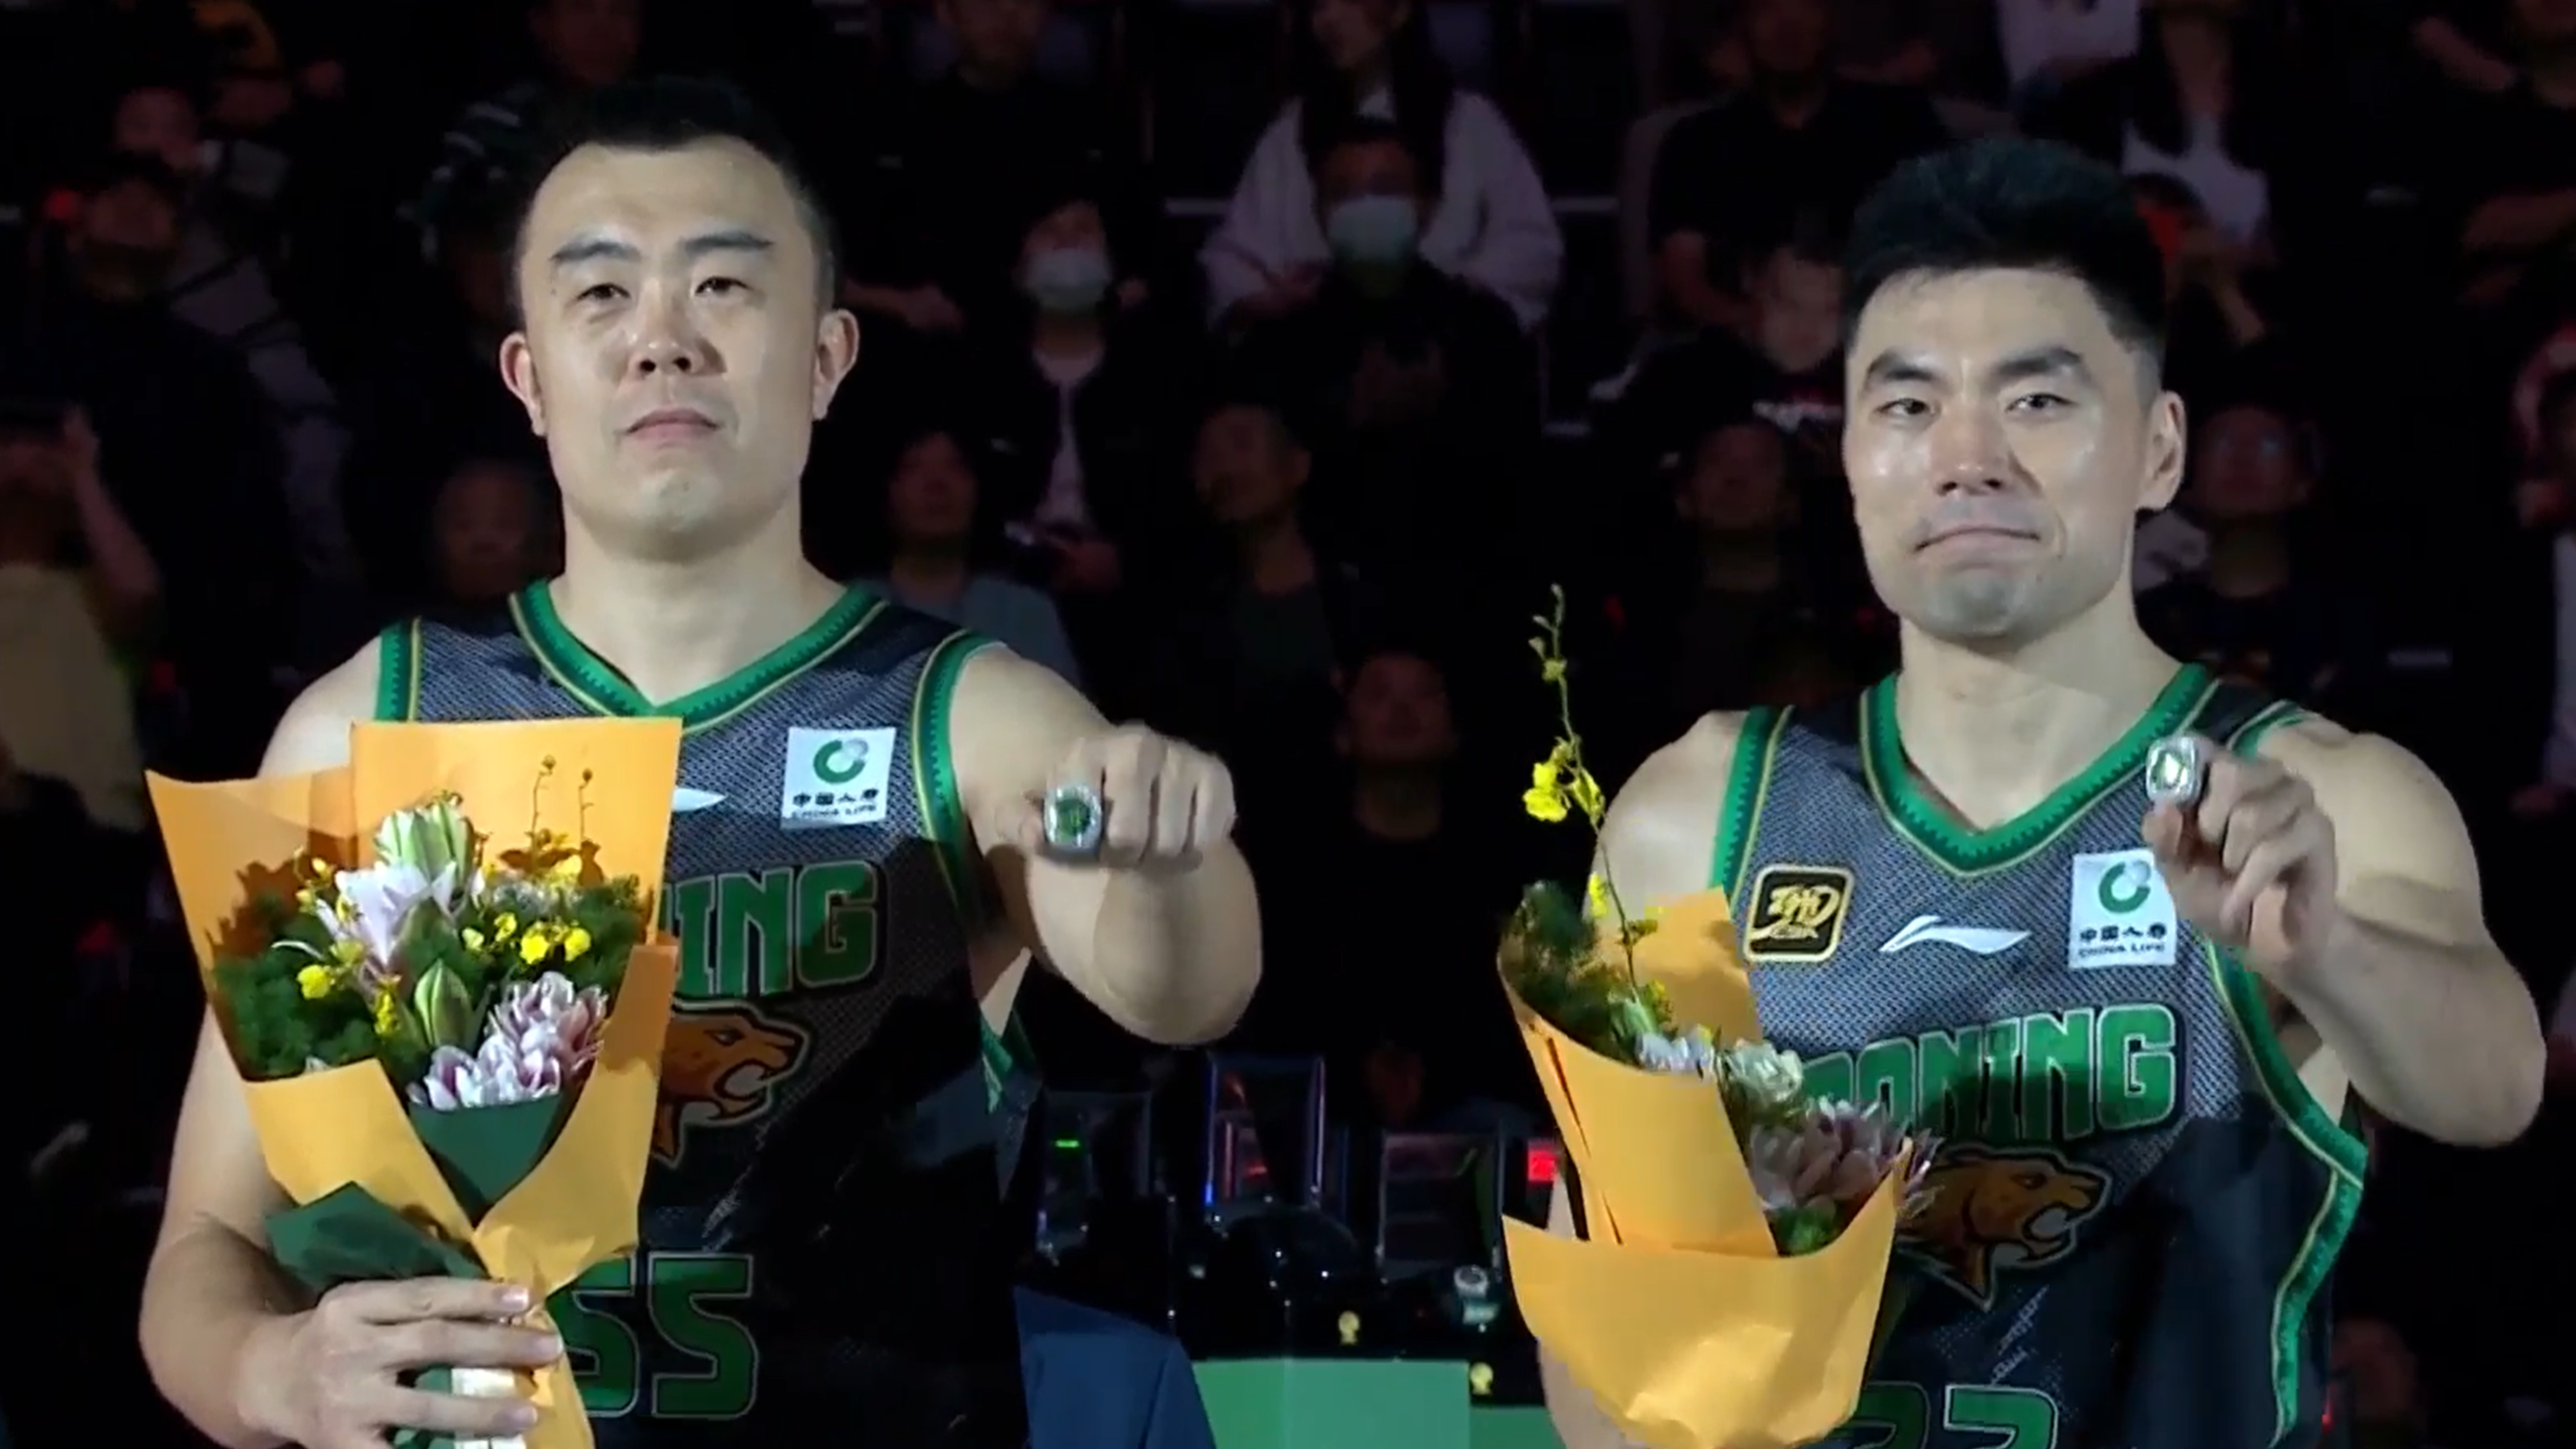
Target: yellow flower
(314,981)
(534,946)
(1551,669)
(565,871)
(1545,798)
(388,1009)
(348,953)
(504,926)
(319,868)
(1586,794)
(575,942)
(1597,891)
(474,940)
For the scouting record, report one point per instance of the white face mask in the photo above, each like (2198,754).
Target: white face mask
(1374,231)
(1068,279)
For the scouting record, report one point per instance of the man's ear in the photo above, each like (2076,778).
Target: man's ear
(2168,446)
(836,351)
(519,375)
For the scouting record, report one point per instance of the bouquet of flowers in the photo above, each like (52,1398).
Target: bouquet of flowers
(1730,1291)
(450,1046)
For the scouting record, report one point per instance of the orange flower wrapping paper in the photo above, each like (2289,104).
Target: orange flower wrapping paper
(230,841)
(1679,1313)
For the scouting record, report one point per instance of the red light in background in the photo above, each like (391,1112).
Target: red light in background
(1541,1168)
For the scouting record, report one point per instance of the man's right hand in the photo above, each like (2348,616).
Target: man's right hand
(333,1378)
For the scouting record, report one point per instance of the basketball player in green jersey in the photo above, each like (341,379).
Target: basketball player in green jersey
(2132,1024)
(818,1254)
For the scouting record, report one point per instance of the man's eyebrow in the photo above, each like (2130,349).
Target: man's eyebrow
(2039,362)
(1894,367)
(592,247)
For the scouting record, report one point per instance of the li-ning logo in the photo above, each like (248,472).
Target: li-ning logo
(1931,931)
(835,777)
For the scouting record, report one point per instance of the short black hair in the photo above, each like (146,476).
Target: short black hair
(1377,131)
(668,114)
(2007,203)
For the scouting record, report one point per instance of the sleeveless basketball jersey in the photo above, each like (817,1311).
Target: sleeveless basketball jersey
(819,1218)
(2136,1203)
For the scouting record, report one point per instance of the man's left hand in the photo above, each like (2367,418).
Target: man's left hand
(2251,864)
(1163,803)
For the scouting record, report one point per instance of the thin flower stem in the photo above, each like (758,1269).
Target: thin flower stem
(1594,809)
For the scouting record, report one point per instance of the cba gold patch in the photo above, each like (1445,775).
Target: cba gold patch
(1798,913)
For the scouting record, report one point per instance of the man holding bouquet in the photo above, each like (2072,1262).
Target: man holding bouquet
(2120,934)
(877,814)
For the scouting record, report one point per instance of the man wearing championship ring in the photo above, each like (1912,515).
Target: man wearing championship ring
(878,814)
(2127,937)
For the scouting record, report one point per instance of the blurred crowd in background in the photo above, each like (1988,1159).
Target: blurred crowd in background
(1259,366)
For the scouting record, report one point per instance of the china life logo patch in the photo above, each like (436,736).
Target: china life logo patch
(835,777)
(2118,912)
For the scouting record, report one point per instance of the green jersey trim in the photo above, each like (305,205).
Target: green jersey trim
(398,672)
(1748,782)
(1966,852)
(1004,1053)
(934,774)
(602,690)
(2343,1154)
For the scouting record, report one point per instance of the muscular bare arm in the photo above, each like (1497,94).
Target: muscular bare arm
(2410,991)
(1172,957)
(1656,847)
(212,1290)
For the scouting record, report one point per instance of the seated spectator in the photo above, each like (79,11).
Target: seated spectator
(492,533)
(2048,46)
(1253,643)
(2205,101)
(1785,366)
(77,590)
(581,45)
(1487,220)
(1730,615)
(1394,845)
(969,160)
(933,513)
(2261,608)
(222,280)
(1796,139)
(2216,295)
(2510,170)
(1077,440)
(1423,393)
(432,401)
(188,449)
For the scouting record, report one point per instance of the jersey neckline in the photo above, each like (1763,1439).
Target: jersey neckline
(1967,850)
(603,690)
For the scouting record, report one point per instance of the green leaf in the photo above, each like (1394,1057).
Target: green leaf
(483,1152)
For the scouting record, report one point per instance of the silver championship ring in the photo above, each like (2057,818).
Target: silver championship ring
(2177,771)
(1071,817)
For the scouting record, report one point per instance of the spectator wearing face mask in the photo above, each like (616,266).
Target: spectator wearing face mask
(970,159)
(1484,218)
(1071,417)
(936,524)
(1424,394)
